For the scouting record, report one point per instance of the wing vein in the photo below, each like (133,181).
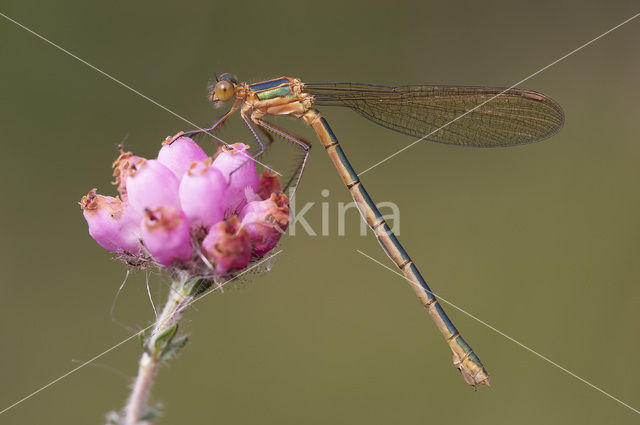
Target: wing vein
(516,117)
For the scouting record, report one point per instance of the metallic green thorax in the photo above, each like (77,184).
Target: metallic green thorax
(278,92)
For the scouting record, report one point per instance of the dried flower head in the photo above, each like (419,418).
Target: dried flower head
(121,170)
(267,184)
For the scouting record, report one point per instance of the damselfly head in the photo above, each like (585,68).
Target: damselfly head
(224,89)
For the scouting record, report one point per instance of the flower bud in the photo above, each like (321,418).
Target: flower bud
(112,223)
(228,245)
(121,171)
(239,168)
(268,183)
(266,221)
(179,154)
(150,185)
(203,194)
(165,233)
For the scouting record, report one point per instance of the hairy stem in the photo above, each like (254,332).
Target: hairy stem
(156,346)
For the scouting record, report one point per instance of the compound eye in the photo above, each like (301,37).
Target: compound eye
(224,90)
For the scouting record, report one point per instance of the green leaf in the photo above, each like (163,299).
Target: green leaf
(113,418)
(192,287)
(172,349)
(152,413)
(164,339)
(143,343)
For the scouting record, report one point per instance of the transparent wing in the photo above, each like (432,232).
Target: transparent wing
(515,117)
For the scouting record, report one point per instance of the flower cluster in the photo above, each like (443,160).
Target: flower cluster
(186,211)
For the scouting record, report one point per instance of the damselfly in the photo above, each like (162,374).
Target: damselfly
(458,115)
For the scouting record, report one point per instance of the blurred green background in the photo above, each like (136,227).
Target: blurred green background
(540,241)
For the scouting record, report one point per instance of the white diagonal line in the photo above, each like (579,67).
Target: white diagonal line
(112,78)
(130,338)
(502,92)
(548,360)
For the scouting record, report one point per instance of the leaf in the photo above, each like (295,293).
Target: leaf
(113,418)
(144,345)
(164,339)
(193,287)
(152,413)
(172,349)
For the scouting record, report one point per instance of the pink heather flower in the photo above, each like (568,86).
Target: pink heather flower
(150,185)
(112,223)
(266,221)
(165,233)
(179,154)
(203,194)
(268,183)
(121,171)
(228,245)
(237,166)
(181,199)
